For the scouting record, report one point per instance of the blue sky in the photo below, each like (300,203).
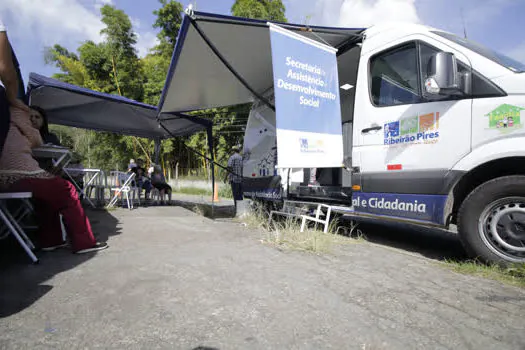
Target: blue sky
(35,24)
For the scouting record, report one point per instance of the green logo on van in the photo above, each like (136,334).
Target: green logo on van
(506,118)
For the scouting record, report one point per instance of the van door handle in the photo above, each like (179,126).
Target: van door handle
(372,128)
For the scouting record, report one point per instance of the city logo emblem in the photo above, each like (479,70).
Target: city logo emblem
(422,128)
(311,146)
(506,118)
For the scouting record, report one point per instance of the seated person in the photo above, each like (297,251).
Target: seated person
(40,122)
(141,180)
(76,175)
(53,196)
(132,164)
(159,182)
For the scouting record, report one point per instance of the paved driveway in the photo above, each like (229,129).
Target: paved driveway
(175,280)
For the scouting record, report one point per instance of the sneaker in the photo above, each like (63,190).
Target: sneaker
(50,249)
(98,246)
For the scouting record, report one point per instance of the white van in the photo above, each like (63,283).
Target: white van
(433,125)
(433,129)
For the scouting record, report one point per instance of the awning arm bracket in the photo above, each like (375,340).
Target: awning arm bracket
(228,65)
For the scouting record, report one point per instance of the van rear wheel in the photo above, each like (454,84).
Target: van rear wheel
(492,221)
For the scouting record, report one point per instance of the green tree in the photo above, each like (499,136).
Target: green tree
(120,51)
(169,20)
(111,66)
(272,10)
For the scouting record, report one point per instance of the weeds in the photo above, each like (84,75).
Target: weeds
(513,274)
(224,191)
(286,233)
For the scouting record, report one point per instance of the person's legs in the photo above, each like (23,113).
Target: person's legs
(54,196)
(47,214)
(146,185)
(236,192)
(167,190)
(313,176)
(75,219)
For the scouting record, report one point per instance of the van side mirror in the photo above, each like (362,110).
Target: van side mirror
(442,73)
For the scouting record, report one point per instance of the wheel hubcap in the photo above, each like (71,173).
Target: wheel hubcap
(502,228)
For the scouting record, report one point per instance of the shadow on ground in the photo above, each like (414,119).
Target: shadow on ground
(23,283)
(208,210)
(432,243)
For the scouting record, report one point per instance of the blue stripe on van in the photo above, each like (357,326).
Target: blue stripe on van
(428,208)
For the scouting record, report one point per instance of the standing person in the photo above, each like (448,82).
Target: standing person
(235,174)
(11,85)
(313,177)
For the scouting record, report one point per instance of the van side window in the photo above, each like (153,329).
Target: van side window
(395,77)
(481,86)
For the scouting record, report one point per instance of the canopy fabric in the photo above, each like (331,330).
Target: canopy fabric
(197,79)
(74,106)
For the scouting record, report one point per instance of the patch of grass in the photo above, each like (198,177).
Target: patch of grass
(287,233)
(199,210)
(224,191)
(513,274)
(196,191)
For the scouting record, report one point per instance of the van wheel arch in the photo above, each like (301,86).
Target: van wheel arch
(481,174)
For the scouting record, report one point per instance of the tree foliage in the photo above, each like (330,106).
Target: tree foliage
(272,10)
(113,66)
(169,19)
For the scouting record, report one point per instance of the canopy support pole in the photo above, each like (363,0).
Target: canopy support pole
(209,131)
(156,154)
(194,151)
(229,66)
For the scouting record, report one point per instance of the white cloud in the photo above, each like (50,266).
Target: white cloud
(135,22)
(364,13)
(353,13)
(145,41)
(52,21)
(67,22)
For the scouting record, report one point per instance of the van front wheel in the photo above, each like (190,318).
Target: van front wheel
(491,221)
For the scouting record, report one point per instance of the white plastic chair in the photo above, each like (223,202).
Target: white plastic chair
(126,180)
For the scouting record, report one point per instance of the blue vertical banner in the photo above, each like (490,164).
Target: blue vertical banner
(308,110)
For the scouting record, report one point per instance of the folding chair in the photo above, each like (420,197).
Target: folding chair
(125,189)
(12,224)
(24,209)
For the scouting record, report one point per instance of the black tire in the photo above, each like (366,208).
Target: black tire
(495,212)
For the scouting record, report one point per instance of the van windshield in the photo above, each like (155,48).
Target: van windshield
(507,62)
